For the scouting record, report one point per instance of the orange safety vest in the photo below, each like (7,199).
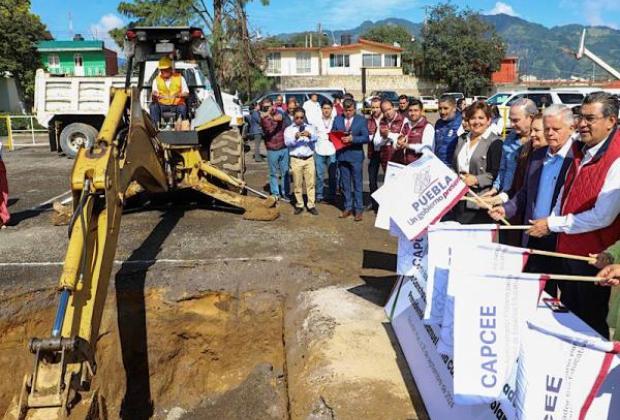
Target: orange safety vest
(166,92)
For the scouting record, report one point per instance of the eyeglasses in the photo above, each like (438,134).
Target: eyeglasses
(590,119)
(299,118)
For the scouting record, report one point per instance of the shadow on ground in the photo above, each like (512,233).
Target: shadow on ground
(416,398)
(129,284)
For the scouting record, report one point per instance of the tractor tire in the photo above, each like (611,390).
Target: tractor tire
(226,153)
(76,135)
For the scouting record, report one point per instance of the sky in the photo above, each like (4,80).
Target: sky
(94,18)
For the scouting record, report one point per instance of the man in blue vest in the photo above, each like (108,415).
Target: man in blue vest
(447,129)
(351,158)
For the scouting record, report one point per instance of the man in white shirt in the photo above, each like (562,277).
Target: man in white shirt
(585,215)
(374,157)
(325,158)
(169,91)
(313,109)
(300,138)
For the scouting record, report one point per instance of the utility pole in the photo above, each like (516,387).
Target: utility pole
(320,35)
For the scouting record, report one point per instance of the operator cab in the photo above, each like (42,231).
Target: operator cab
(187,47)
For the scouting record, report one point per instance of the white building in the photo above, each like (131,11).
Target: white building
(338,60)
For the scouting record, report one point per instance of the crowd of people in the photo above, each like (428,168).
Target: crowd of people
(556,170)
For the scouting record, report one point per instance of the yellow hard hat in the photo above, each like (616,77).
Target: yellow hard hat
(165,63)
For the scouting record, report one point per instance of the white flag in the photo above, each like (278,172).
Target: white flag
(411,255)
(505,259)
(420,194)
(441,237)
(382,221)
(490,313)
(567,371)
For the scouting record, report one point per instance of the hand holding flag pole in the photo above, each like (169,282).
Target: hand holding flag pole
(483,203)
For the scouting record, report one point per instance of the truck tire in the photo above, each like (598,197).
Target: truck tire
(76,135)
(226,153)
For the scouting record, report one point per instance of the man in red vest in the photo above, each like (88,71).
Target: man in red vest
(417,133)
(391,128)
(374,160)
(586,212)
(169,91)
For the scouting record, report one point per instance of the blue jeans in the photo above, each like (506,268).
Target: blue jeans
(322,163)
(278,160)
(351,182)
(156,109)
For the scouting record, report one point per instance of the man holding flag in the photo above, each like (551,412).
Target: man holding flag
(586,213)
(543,182)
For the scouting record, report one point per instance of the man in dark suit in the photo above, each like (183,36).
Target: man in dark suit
(351,158)
(543,182)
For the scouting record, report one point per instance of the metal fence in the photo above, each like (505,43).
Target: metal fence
(22,135)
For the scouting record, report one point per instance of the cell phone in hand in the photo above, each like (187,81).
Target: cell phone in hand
(302,128)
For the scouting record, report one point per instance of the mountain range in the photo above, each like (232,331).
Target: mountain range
(546,53)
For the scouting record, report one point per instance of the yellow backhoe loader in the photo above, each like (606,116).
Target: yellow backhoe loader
(131,153)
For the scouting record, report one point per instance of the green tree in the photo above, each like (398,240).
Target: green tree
(460,49)
(390,34)
(21,29)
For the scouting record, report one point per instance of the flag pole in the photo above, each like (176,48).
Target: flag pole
(515,227)
(590,260)
(566,277)
(561,277)
(486,205)
(483,203)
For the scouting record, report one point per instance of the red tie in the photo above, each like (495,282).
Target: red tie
(348,124)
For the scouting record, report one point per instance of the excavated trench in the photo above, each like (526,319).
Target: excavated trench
(207,355)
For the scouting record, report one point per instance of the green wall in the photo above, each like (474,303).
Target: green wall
(93,62)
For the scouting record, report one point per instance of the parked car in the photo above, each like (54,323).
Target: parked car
(541,97)
(430,103)
(390,95)
(455,95)
(330,91)
(475,98)
(302,95)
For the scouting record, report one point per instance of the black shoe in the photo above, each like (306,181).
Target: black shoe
(313,211)
(298,210)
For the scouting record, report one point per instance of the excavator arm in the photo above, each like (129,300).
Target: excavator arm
(64,362)
(127,156)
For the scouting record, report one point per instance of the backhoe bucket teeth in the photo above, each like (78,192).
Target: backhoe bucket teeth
(255,208)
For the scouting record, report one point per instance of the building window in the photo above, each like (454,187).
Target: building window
(339,60)
(77,60)
(390,60)
(371,60)
(53,60)
(303,62)
(273,63)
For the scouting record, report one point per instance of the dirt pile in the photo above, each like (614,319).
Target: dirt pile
(194,357)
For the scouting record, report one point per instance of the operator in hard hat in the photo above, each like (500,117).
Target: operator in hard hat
(169,92)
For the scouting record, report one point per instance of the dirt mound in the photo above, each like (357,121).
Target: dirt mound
(159,357)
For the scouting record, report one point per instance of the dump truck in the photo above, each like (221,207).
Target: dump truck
(72,108)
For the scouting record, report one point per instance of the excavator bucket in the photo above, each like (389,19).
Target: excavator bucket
(255,208)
